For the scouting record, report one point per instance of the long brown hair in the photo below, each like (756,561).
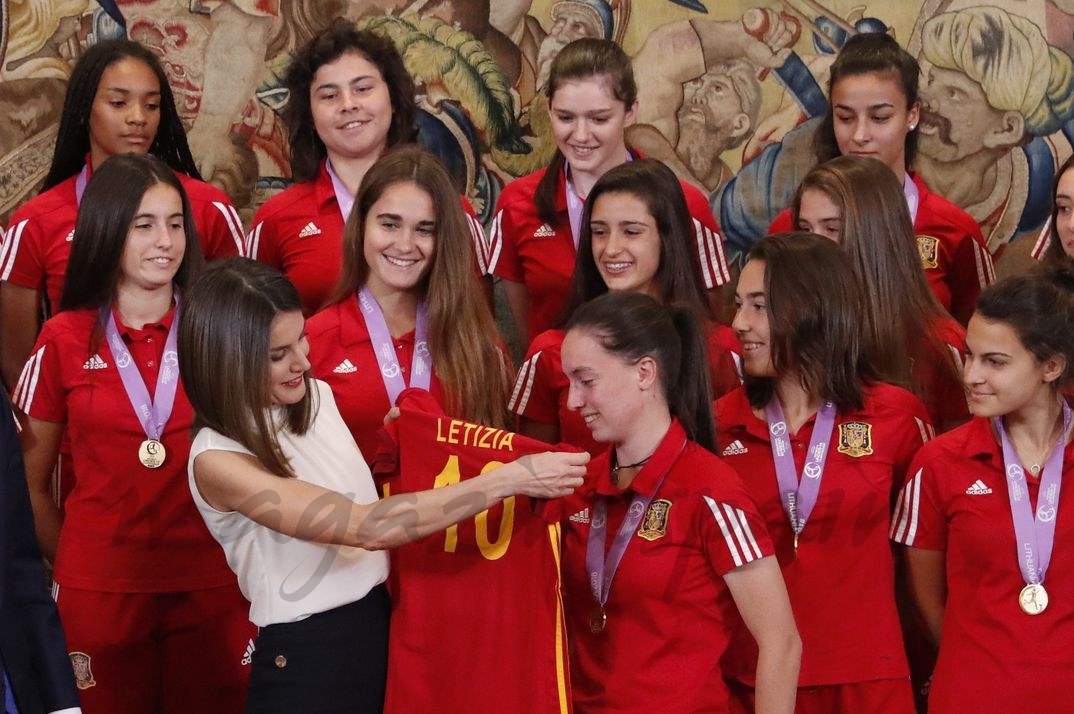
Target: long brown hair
(462,334)
(679,275)
(901,311)
(815,314)
(580,60)
(224,344)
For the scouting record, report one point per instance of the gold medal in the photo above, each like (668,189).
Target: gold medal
(598,620)
(151,453)
(1033,599)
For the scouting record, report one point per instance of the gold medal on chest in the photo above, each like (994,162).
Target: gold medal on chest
(152,454)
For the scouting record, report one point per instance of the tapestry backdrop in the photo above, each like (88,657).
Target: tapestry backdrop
(730,90)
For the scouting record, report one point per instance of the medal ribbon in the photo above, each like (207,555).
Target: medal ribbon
(421,368)
(343,197)
(152,413)
(80,184)
(1034,538)
(913,196)
(799,498)
(602,569)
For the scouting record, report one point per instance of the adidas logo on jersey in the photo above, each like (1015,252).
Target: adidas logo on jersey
(248,655)
(978,489)
(735,448)
(581,516)
(95,362)
(311,229)
(345,367)
(545,231)
(70,236)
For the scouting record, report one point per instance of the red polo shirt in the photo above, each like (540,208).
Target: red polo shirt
(953,252)
(841,583)
(993,657)
(127,528)
(540,391)
(39,235)
(670,614)
(299,231)
(524,249)
(342,355)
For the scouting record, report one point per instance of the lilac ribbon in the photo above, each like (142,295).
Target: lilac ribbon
(575,208)
(602,570)
(799,498)
(421,368)
(80,184)
(153,413)
(913,196)
(1034,538)
(344,197)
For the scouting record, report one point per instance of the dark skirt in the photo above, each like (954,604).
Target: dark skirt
(335,661)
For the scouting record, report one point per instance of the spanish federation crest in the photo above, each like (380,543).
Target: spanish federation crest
(855,438)
(655,523)
(80,661)
(929,250)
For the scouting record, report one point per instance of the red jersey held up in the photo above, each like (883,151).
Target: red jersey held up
(477,622)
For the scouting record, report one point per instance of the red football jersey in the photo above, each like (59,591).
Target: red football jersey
(477,622)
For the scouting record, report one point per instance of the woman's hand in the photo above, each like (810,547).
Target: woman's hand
(550,474)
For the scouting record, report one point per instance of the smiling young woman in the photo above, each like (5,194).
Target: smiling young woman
(406,310)
(986,517)
(636,236)
(822,445)
(140,583)
(351,101)
(118,102)
(687,548)
(592,99)
(874,111)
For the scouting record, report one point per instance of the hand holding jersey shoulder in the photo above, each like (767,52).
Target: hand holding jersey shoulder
(549,474)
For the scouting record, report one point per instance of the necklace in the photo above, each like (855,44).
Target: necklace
(1054,440)
(616,467)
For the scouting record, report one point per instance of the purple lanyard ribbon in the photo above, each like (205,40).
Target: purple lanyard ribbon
(913,196)
(421,368)
(80,184)
(1034,537)
(799,498)
(153,413)
(602,569)
(344,197)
